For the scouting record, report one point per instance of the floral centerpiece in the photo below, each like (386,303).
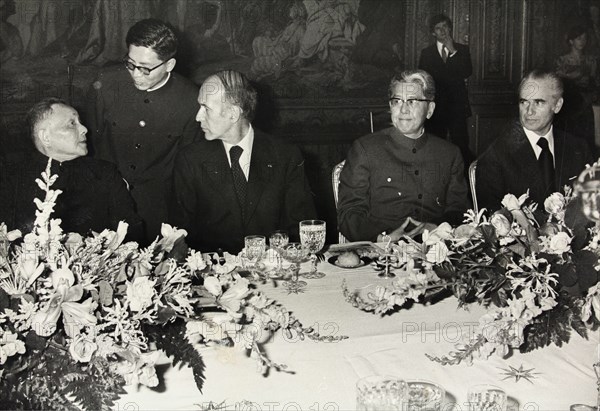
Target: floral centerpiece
(536,271)
(82,317)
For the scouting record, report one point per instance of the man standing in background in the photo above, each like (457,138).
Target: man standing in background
(140,115)
(449,63)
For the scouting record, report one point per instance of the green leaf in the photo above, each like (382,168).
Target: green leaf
(172,340)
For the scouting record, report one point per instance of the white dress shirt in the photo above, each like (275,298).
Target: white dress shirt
(439,48)
(533,140)
(246,144)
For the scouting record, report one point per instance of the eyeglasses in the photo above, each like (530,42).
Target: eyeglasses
(144,70)
(410,102)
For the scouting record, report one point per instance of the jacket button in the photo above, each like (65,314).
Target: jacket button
(138,145)
(132,166)
(142,123)
(147,100)
(414,150)
(416,172)
(420,196)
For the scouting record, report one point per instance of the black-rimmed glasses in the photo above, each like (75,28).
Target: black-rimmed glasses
(410,102)
(144,70)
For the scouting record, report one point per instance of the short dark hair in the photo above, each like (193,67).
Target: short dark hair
(420,77)
(543,74)
(439,18)
(40,111)
(238,91)
(575,31)
(154,34)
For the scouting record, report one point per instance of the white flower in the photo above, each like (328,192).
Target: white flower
(170,234)
(9,346)
(554,203)
(195,261)
(559,243)
(510,202)
(82,348)
(437,253)
(232,298)
(140,293)
(501,224)
(213,285)
(440,233)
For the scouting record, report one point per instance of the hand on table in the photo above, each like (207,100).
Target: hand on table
(410,228)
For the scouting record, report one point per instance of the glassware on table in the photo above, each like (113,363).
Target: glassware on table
(254,248)
(425,396)
(485,397)
(295,253)
(582,407)
(312,236)
(380,392)
(277,240)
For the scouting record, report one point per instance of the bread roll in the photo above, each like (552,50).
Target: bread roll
(348,259)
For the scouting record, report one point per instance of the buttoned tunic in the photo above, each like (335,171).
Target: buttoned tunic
(141,132)
(388,177)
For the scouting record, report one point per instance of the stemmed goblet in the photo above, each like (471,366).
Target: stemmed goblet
(277,240)
(254,248)
(312,236)
(295,253)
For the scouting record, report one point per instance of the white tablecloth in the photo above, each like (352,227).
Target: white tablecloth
(325,374)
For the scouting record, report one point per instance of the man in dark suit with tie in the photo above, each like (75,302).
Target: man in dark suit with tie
(531,154)
(449,63)
(239,181)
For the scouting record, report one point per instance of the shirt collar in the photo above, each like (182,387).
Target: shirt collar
(245,143)
(533,138)
(162,83)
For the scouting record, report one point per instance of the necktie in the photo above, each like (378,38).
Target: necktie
(546,163)
(239,179)
(444,53)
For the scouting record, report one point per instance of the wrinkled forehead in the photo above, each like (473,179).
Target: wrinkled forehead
(211,90)
(534,89)
(406,89)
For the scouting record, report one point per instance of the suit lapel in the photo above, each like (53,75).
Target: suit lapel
(525,158)
(217,168)
(261,173)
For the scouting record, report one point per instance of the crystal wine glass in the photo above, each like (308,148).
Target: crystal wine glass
(485,397)
(312,236)
(254,248)
(295,253)
(277,240)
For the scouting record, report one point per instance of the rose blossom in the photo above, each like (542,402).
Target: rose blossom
(140,293)
(82,348)
(501,224)
(560,243)
(554,203)
(511,202)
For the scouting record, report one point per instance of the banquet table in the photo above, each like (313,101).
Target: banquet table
(325,373)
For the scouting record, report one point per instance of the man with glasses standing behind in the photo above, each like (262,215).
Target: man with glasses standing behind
(139,116)
(402,180)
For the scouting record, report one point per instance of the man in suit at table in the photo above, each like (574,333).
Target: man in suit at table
(402,180)
(239,181)
(449,63)
(530,154)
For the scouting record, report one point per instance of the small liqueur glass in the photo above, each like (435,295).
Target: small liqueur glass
(254,248)
(295,253)
(277,240)
(312,236)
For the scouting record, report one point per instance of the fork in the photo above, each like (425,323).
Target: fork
(320,257)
